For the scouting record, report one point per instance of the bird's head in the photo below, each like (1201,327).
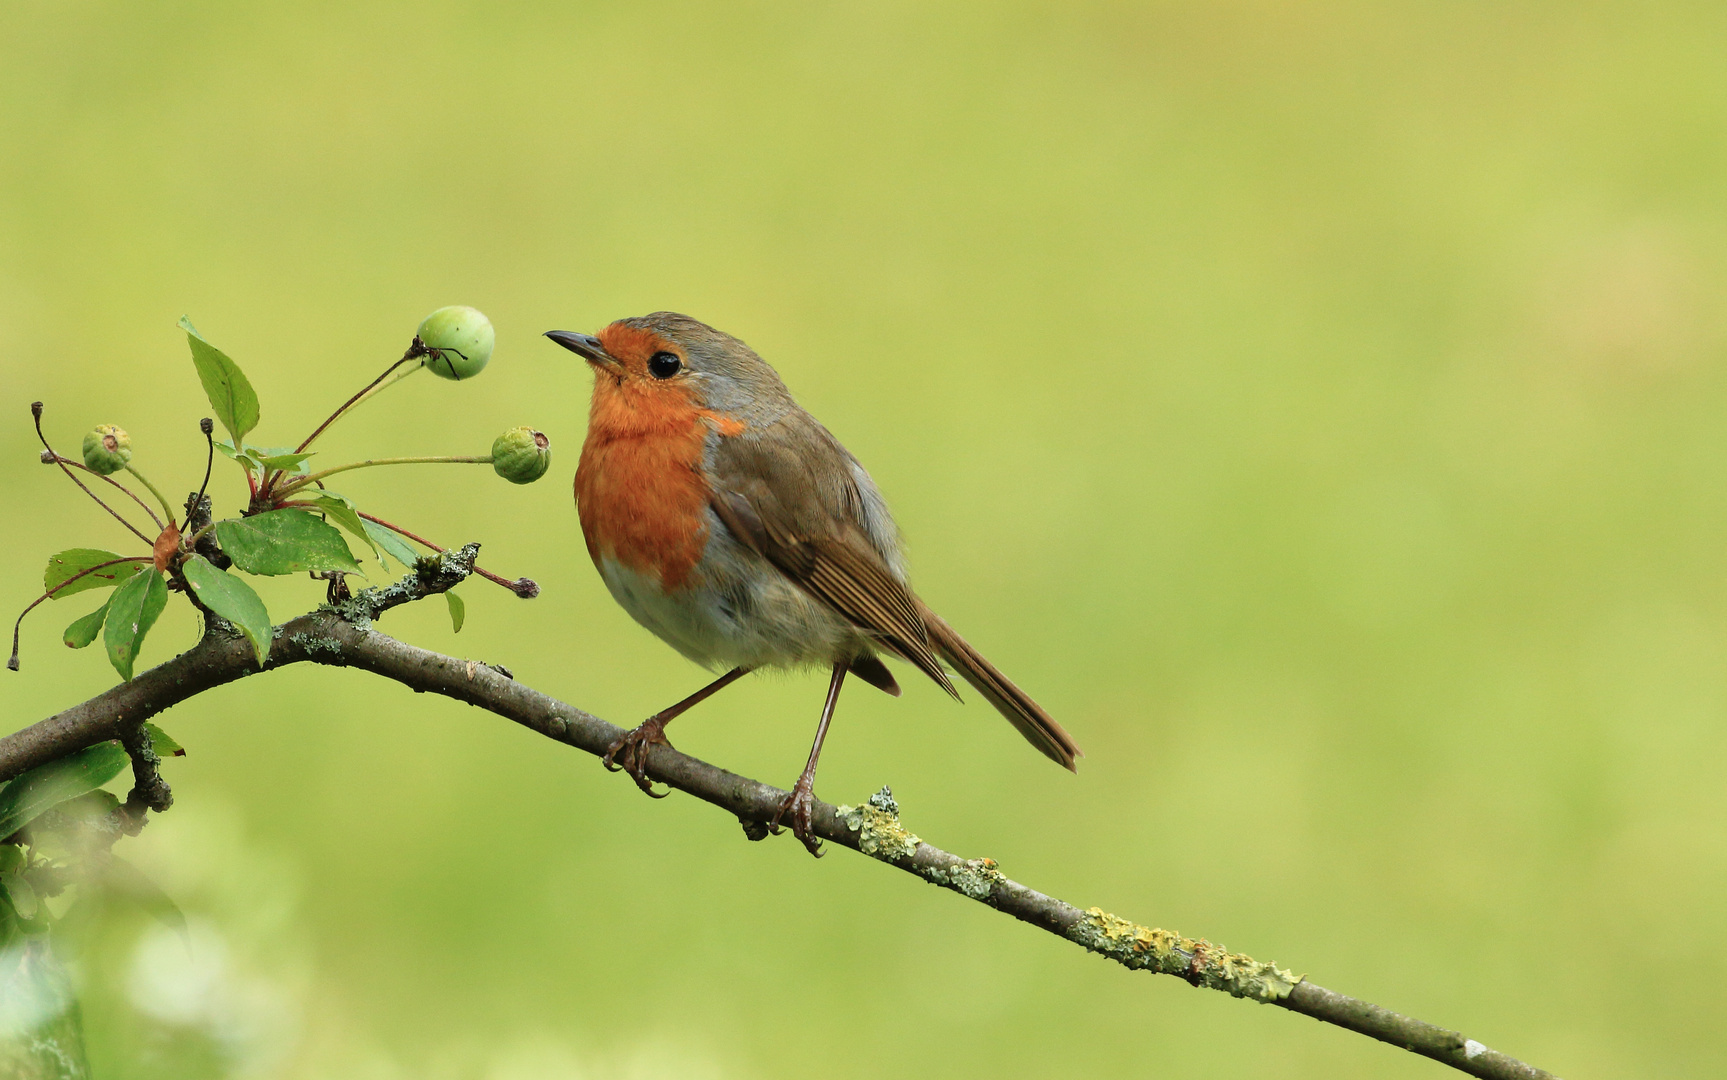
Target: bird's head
(667,356)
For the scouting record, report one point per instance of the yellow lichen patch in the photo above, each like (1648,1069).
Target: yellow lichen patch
(1198,961)
(976,878)
(880,834)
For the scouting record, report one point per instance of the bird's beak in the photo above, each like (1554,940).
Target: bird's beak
(585,346)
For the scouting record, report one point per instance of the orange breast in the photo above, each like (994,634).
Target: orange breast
(639,488)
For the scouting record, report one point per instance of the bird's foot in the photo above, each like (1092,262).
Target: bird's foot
(629,752)
(800,804)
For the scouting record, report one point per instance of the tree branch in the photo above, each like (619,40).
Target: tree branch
(342,636)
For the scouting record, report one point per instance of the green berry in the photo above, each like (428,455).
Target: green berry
(107,449)
(521,455)
(458,341)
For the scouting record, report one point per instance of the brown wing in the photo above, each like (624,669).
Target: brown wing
(788,493)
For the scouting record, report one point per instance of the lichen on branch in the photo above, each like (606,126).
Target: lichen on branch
(1201,963)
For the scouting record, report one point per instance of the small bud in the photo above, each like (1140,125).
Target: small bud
(107,449)
(458,342)
(206,425)
(521,455)
(526,588)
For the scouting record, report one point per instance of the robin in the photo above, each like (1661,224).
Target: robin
(729,522)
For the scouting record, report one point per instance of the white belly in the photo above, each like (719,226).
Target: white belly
(737,611)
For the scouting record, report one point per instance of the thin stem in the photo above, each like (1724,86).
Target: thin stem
(142,479)
(522,587)
(36,411)
(12,662)
(207,427)
(422,541)
(415,352)
(369,462)
(382,384)
(49,457)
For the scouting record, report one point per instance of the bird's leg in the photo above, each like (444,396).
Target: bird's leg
(800,804)
(629,751)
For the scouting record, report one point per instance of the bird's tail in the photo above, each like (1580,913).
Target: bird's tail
(1021,711)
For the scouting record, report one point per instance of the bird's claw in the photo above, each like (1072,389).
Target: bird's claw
(800,804)
(629,753)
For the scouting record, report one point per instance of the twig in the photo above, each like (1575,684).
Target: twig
(149,790)
(434,459)
(12,663)
(525,588)
(198,524)
(341,637)
(163,499)
(49,457)
(416,350)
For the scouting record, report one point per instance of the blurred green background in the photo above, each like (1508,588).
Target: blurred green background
(1319,409)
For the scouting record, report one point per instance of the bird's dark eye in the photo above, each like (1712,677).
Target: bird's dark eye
(664,365)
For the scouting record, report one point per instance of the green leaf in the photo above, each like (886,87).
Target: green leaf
(233,599)
(286,458)
(339,510)
(84,631)
(245,455)
(88,808)
(284,542)
(392,543)
(458,610)
(291,461)
(74,561)
(132,610)
(164,743)
(47,786)
(230,394)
